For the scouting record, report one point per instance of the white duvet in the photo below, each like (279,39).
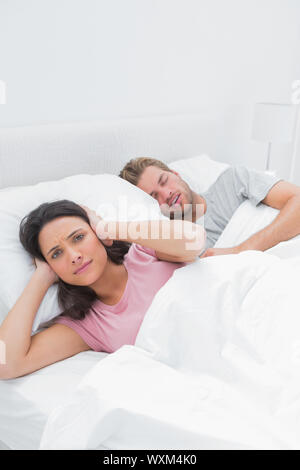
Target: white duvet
(216,364)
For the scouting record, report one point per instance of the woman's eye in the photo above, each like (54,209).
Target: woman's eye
(78,237)
(56,254)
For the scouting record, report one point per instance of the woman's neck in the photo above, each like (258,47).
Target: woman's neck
(111,285)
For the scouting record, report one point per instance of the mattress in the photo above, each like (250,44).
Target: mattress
(26,402)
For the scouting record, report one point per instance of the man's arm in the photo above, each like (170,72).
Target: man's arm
(285,197)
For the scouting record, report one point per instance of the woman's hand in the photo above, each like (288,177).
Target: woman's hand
(45,271)
(94,220)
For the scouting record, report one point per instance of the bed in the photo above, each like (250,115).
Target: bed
(235,390)
(33,154)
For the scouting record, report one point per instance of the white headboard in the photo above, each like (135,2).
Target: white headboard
(32,154)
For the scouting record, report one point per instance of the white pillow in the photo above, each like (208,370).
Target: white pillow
(108,194)
(199,172)
(249,219)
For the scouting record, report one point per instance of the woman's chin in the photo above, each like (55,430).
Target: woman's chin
(87,277)
(82,281)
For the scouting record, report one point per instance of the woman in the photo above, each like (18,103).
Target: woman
(104,286)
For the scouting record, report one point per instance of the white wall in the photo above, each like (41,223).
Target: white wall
(68,60)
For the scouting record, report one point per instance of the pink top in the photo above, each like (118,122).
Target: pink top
(108,327)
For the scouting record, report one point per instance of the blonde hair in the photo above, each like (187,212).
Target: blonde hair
(133,170)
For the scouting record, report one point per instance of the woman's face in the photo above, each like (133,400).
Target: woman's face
(73,250)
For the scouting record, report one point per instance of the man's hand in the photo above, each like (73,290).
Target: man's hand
(220,251)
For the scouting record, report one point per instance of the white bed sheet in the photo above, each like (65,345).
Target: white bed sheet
(26,402)
(158,406)
(215,366)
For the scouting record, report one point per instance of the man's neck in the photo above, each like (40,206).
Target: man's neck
(199,207)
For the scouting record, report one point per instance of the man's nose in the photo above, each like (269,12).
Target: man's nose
(165,194)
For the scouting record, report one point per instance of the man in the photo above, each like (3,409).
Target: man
(219,202)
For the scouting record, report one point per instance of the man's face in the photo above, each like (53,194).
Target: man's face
(170,191)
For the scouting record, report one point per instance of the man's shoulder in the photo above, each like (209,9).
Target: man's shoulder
(224,177)
(236,176)
(234,173)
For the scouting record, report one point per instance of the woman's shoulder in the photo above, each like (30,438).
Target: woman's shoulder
(89,317)
(140,253)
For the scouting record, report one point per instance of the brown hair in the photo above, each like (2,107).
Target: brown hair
(133,170)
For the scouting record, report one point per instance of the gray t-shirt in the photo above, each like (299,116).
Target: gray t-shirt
(230,190)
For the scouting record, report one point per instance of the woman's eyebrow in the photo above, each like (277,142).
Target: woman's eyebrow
(69,236)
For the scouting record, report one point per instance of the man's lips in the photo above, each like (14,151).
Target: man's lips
(175,199)
(83,267)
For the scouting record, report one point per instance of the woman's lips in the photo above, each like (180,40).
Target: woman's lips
(83,267)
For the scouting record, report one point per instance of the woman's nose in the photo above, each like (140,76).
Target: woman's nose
(76,258)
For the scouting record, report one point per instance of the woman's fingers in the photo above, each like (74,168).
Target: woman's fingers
(93,217)
(94,221)
(107,242)
(46,271)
